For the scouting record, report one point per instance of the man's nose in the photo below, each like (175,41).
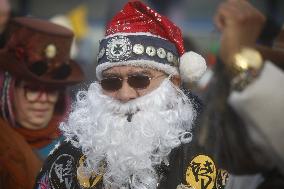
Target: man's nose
(126,93)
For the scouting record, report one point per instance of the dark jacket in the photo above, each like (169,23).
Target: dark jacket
(189,165)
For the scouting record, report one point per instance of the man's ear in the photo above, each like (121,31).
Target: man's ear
(176,80)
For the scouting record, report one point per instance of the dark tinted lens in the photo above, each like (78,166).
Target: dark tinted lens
(111,83)
(139,81)
(62,72)
(39,67)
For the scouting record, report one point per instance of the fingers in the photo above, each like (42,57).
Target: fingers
(219,22)
(236,12)
(224,15)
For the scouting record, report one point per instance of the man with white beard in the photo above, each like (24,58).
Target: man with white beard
(132,127)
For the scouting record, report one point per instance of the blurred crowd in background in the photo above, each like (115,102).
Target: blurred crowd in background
(226,116)
(88,18)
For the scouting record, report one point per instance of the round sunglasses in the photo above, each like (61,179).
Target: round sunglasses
(114,83)
(33,93)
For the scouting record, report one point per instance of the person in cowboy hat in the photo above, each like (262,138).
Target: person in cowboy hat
(5,12)
(133,127)
(35,69)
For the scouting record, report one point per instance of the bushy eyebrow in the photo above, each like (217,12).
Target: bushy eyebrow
(111,75)
(146,72)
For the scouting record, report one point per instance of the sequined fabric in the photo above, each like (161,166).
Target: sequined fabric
(136,17)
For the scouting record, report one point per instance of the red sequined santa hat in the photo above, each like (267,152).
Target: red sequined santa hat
(139,36)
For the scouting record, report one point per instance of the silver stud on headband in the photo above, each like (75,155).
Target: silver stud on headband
(161,53)
(138,49)
(170,57)
(101,53)
(151,51)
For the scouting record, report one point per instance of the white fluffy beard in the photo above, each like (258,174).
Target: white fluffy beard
(129,146)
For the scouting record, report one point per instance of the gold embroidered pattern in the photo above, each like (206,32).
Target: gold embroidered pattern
(201,173)
(87,180)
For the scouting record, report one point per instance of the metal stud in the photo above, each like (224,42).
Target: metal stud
(151,51)
(161,53)
(170,57)
(138,49)
(101,53)
(175,61)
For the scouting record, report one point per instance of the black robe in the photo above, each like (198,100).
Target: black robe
(60,170)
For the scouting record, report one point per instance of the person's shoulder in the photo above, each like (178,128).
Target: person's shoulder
(64,147)
(59,169)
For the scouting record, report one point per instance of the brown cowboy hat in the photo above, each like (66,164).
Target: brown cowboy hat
(38,50)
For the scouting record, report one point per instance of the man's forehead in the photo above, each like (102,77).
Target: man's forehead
(125,70)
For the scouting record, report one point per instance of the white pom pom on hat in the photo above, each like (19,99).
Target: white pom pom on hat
(192,66)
